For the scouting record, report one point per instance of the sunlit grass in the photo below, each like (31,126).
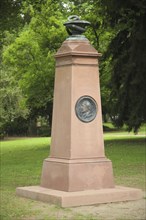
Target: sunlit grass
(128,156)
(21,165)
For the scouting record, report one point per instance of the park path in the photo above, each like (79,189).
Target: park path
(133,210)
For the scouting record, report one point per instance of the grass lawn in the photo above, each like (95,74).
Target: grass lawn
(21,165)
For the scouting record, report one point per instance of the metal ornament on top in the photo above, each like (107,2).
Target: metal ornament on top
(75,27)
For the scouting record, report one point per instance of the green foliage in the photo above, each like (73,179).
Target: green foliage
(127,52)
(32,77)
(11,18)
(12,102)
(117,31)
(31,55)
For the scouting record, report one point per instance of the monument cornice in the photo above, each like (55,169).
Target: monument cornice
(77,160)
(81,54)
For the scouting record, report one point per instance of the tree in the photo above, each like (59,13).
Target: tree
(12,102)
(127,52)
(119,33)
(32,56)
(11,18)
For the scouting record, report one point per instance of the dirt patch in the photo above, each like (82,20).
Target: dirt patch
(134,210)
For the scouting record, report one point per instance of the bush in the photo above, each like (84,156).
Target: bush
(44,131)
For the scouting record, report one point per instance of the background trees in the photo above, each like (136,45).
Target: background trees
(12,101)
(32,31)
(127,51)
(31,56)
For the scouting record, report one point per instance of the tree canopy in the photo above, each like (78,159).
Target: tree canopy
(127,51)
(32,31)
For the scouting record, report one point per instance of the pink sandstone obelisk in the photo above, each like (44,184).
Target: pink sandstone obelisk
(77,171)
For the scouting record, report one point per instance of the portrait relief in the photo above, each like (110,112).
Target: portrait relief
(86,108)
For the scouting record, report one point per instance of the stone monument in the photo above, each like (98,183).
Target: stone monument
(77,171)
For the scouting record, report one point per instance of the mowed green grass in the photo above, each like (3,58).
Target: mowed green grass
(21,165)
(128,157)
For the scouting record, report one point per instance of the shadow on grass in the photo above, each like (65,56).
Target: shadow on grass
(125,139)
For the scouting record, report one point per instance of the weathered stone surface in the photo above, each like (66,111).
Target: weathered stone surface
(88,197)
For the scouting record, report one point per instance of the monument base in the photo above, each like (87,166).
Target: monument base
(80,198)
(77,174)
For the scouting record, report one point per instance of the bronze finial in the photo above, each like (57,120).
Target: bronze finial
(75,26)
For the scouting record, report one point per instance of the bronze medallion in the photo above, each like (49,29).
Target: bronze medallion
(86,109)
